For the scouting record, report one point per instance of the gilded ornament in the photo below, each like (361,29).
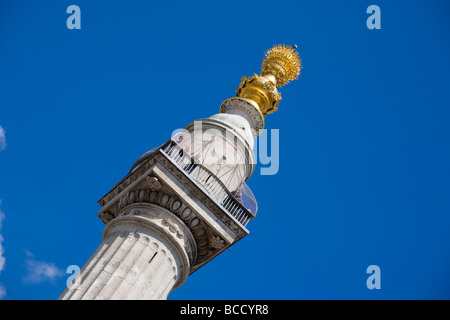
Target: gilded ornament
(281,65)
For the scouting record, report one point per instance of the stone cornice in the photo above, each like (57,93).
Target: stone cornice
(159,181)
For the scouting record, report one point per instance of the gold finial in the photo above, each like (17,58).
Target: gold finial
(281,65)
(283,62)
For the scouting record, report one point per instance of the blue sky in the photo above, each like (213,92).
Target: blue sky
(363,139)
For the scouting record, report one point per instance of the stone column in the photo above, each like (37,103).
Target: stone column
(145,253)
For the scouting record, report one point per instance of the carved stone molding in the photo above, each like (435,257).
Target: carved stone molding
(177,207)
(172,228)
(105,216)
(217,242)
(153,183)
(109,203)
(202,215)
(163,219)
(126,182)
(246,106)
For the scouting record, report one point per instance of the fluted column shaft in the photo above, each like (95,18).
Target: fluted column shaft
(139,258)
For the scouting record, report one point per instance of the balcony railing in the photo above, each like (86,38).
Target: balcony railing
(212,185)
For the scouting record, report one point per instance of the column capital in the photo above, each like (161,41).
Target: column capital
(159,182)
